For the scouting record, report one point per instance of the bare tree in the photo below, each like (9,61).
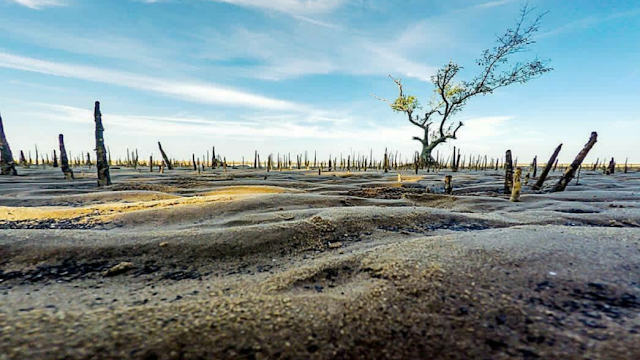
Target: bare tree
(451,96)
(7,164)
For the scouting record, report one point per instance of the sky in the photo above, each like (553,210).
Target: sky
(284,76)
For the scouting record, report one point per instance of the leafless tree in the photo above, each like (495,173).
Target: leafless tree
(451,96)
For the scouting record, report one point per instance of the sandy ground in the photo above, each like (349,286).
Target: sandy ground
(292,265)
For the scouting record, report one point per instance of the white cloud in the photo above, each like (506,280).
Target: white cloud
(39,4)
(293,7)
(190,91)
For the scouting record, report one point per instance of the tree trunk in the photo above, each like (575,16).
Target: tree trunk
(64,160)
(104,177)
(7,164)
(571,170)
(508,175)
(165,157)
(547,168)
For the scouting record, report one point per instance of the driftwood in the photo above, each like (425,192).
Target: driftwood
(7,164)
(508,175)
(538,185)
(165,157)
(64,161)
(571,170)
(104,177)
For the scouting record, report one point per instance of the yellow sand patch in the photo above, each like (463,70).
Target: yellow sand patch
(249,190)
(105,212)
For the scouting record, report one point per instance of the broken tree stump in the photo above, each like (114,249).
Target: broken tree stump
(165,157)
(535,167)
(508,175)
(448,184)
(64,160)
(7,164)
(550,164)
(611,169)
(571,170)
(104,177)
(23,160)
(517,185)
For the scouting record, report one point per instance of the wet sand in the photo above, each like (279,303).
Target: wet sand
(291,265)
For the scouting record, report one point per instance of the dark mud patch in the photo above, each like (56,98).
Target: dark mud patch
(69,270)
(54,224)
(451,224)
(388,193)
(133,186)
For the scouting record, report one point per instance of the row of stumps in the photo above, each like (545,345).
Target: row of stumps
(8,166)
(513,178)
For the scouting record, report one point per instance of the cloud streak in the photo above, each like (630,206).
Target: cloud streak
(39,4)
(292,7)
(190,91)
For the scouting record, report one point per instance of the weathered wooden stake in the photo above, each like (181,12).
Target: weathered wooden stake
(7,164)
(64,161)
(165,157)
(612,167)
(104,178)
(517,185)
(448,184)
(508,175)
(547,168)
(571,170)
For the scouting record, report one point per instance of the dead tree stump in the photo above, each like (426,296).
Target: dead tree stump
(102,164)
(508,175)
(571,170)
(448,184)
(23,160)
(7,164)
(612,167)
(64,160)
(550,164)
(165,157)
(517,185)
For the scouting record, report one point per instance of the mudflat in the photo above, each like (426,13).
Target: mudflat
(246,264)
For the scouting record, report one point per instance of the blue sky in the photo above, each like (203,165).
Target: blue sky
(296,75)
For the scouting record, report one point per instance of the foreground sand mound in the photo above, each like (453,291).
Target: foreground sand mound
(304,266)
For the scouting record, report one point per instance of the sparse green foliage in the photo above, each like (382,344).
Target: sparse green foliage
(405,103)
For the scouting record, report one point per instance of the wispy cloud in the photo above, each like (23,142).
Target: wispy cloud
(491,4)
(190,91)
(590,21)
(279,55)
(39,4)
(293,7)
